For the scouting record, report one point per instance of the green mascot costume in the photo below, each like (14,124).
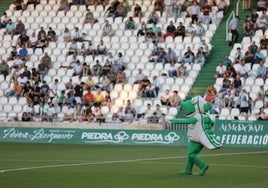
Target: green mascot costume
(199,133)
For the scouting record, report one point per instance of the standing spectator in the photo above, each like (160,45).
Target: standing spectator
(233,28)
(159,6)
(194,11)
(206,9)
(155,85)
(169,5)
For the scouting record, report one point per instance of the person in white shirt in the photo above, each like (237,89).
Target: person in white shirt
(156,85)
(148,111)
(68,112)
(49,111)
(194,11)
(220,70)
(261,23)
(53,90)
(243,69)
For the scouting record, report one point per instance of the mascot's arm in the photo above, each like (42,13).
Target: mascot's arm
(184,121)
(208,123)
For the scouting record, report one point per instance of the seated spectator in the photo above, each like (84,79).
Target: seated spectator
(149,35)
(104,83)
(120,11)
(137,11)
(188,56)
(180,30)
(220,70)
(165,98)
(190,30)
(261,23)
(130,24)
(226,83)
(262,71)
(87,113)
(112,8)
(20,28)
(170,56)
(172,70)
(33,41)
(68,113)
(77,35)
(121,77)
(4,20)
(111,76)
(32,2)
(142,29)
(89,18)
(237,83)
(119,115)
(25,117)
(101,49)
(153,17)
(200,30)
(243,69)
(107,99)
(51,35)
(248,29)
(9,29)
(261,115)
(4,68)
(19,5)
(64,6)
(264,42)
(98,98)
(23,39)
(200,57)
(142,86)
(16,91)
(67,36)
(261,5)
(181,70)
(170,30)
(174,100)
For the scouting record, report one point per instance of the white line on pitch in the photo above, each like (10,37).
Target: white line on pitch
(120,161)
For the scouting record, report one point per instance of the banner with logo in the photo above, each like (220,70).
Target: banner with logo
(92,136)
(242,133)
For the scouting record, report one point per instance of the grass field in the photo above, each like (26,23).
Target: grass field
(109,166)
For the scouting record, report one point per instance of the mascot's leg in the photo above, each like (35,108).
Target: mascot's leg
(193,149)
(193,155)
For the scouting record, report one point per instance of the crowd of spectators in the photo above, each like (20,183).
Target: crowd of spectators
(83,100)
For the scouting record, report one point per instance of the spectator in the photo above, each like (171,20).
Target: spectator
(67,36)
(88,97)
(51,35)
(89,18)
(112,8)
(20,28)
(200,57)
(156,85)
(121,77)
(19,5)
(170,31)
(153,17)
(119,115)
(181,70)
(120,11)
(159,6)
(222,5)
(142,29)
(169,6)
(64,6)
(107,29)
(4,68)
(172,70)
(32,2)
(261,23)
(9,29)
(237,83)
(130,107)
(206,9)
(248,29)
(188,56)
(165,98)
(263,42)
(262,71)
(77,36)
(142,86)
(4,20)
(190,30)
(180,30)
(243,69)
(107,99)
(174,100)
(15,91)
(25,117)
(261,115)
(233,28)
(137,11)
(194,11)
(226,83)
(68,113)
(244,103)
(261,5)
(130,24)
(101,49)
(200,30)
(98,98)
(220,70)
(111,76)
(23,39)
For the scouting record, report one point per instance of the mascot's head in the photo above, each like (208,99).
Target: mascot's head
(193,106)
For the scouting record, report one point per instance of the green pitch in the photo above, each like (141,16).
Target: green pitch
(109,166)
